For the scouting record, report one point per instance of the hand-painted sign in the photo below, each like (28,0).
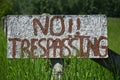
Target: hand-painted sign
(57,36)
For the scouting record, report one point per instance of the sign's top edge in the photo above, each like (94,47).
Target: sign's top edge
(61,15)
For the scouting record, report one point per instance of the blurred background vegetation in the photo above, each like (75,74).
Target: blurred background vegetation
(109,7)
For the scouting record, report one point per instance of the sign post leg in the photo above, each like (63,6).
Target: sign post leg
(57,69)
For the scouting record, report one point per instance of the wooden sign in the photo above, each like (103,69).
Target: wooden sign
(57,36)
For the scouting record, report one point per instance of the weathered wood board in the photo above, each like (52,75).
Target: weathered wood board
(57,36)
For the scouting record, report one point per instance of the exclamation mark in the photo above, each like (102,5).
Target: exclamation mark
(78,24)
(70,25)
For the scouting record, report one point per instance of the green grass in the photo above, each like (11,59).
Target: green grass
(114,34)
(78,69)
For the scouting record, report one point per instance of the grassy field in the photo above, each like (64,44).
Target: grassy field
(114,34)
(78,69)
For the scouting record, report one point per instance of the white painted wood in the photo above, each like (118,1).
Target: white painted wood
(91,26)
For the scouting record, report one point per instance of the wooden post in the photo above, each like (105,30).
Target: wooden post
(57,68)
